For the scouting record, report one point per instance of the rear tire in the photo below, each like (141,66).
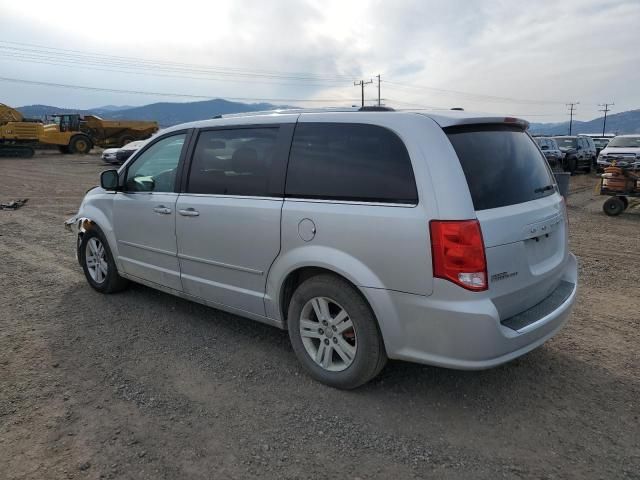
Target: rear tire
(344,338)
(98,264)
(613,207)
(80,144)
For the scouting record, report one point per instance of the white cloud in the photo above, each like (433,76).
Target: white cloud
(540,50)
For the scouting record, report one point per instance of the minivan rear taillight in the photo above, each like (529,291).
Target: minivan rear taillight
(457,250)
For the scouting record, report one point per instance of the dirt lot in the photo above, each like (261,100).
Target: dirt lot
(145,385)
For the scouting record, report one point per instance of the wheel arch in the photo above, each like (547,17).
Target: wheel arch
(302,263)
(92,217)
(301,274)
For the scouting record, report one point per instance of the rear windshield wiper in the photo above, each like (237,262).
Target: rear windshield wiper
(543,189)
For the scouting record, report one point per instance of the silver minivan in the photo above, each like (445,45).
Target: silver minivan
(437,238)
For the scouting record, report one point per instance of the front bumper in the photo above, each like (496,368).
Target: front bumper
(466,334)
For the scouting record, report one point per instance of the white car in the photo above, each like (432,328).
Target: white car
(127,150)
(109,155)
(623,149)
(119,155)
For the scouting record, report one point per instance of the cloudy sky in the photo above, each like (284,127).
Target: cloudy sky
(525,58)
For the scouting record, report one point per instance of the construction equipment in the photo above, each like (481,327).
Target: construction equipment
(17,134)
(105,133)
(116,133)
(71,133)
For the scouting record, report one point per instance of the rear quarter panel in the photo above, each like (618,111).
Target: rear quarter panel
(378,246)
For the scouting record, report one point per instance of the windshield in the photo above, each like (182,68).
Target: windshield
(566,142)
(501,164)
(601,142)
(625,142)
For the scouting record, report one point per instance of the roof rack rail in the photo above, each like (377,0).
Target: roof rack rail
(376,108)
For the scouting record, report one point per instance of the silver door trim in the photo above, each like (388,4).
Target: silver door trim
(220,264)
(146,247)
(220,195)
(350,202)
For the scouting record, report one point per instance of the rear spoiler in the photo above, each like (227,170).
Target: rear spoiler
(465,120)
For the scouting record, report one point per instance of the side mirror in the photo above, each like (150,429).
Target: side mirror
(109,180)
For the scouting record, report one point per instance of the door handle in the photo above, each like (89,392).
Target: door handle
(162,209)
(189,212)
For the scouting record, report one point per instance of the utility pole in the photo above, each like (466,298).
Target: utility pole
(572,107)
(605,110)
(380,104)
(362,83)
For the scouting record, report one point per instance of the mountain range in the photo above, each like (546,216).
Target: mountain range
(170,113)
(165,113)
(618,123)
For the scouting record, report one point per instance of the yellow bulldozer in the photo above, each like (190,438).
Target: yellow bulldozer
(71,133)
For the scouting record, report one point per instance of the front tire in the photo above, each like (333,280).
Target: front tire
(334,333)
(98,264)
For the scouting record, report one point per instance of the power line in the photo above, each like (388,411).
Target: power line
(606,109)
(68,58)
(171,73)
(362,83)
(177,95)
(126,70)
(92,57)
(572,108)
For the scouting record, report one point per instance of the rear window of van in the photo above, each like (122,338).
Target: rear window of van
(502,165)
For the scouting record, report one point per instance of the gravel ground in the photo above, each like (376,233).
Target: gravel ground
(145,385)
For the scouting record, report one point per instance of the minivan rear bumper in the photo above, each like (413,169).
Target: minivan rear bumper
(445,331)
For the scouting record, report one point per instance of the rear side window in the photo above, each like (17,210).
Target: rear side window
(501,164)
(233,162)
(347,161)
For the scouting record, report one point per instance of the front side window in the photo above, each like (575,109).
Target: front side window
(155,169)
(233,162)
(346,161)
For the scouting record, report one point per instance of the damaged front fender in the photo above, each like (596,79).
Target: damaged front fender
(78,225)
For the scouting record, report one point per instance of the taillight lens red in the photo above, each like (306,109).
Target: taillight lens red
(457,250)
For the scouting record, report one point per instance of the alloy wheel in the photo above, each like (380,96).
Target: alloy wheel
(96,259)
(328,334)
